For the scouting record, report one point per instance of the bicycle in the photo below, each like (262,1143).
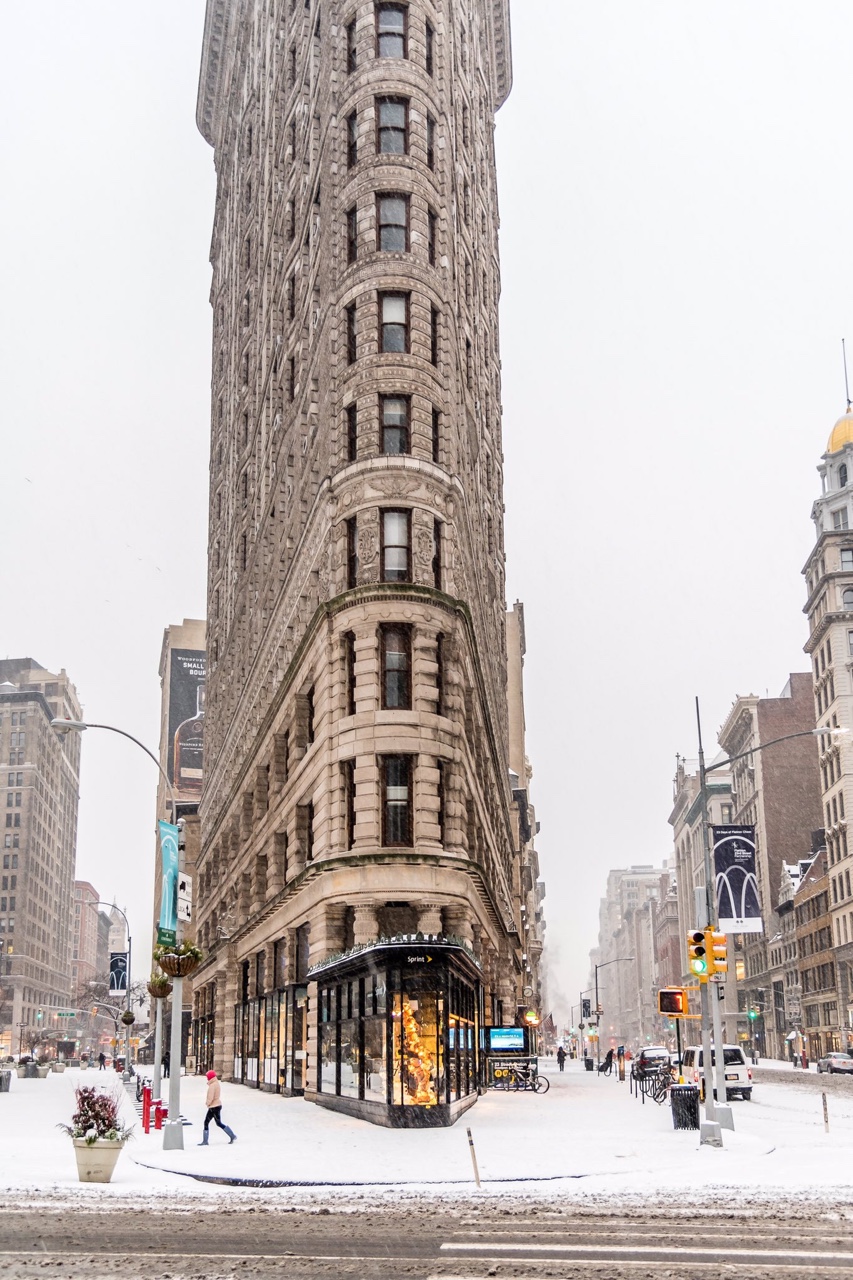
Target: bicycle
(141,1082)
(523,1078)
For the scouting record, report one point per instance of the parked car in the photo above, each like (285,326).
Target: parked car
(651,1058)
(836,1062)
(738,1073)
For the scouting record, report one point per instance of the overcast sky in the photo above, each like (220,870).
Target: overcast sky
(676,254)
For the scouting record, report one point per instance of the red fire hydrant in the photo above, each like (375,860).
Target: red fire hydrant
(161,1113)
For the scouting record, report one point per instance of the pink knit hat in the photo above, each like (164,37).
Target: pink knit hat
(211,1075)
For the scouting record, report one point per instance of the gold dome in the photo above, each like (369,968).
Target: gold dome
(842,433)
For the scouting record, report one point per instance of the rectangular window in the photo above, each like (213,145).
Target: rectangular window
(393,322)
(396,801)
(352,346)
(348,783)
(439,674)
(432,236)
(291,297)
(291,378)
(392,126)
(433,335)
(442,816)
(394,415)
(309,827)
(436,554)
(436,441)
(349,671)
(847,557)
(392,223)
(430,49)
(396,542)
(396,658)
(352,54)
(309,706)
(392,31)
(352,432)
(352,139)
(352,235)
(352,553)
(839,519)
(430,142)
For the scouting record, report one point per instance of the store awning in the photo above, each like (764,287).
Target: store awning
(792,1035)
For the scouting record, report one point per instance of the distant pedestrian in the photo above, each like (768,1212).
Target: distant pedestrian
(606,1066)
(561,1058)
(213,1102)
(102,1062)
(167,1058)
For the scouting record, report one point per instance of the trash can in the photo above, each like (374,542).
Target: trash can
(685,1106)
(589,1063)
(5,1081)
(31,1071)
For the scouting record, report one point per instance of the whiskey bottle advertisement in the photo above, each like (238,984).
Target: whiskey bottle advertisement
(189,749)
(186,722)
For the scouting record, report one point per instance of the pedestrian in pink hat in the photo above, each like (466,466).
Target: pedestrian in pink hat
(213,1102)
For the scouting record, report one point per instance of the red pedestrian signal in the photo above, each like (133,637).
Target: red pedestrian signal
(672,1001)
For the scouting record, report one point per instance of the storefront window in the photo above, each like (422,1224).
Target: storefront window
(417,1049)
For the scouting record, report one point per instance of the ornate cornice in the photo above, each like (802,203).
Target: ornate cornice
(218,20)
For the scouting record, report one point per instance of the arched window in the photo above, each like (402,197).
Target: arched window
(842,476)
(847,598)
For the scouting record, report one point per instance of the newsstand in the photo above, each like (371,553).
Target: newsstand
(685,1106)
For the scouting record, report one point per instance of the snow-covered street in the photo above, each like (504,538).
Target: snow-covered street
(586,1138)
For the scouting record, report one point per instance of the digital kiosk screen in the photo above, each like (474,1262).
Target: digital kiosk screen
(504,1039)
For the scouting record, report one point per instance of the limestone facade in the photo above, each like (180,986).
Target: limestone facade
(357,772)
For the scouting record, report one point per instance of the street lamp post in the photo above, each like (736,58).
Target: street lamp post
(77,726)
(94,905)
(711,1009)
(618,960)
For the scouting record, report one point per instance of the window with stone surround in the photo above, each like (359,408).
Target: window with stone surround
(352,431)
(352,553)
(436,554)
(392,30)
(352,342)
(394,414)
(430,142)
(392,126)
(392,223)
(393,322)
(436,436)
(348,789)
(433,334)
(441,766)
(430,48)
(352,139)
(396,782)
(395,648)
(348,656)
(352,234)
(439,674)
(432,236)
(396,529)
(352,49)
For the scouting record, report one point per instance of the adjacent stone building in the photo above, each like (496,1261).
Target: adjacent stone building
(42,773)
(777,791)
(367,882)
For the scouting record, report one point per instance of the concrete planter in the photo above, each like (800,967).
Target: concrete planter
(97,1160)
(43,1072)
(58,1066)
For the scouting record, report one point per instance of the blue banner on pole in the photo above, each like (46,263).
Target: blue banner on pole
(169,883)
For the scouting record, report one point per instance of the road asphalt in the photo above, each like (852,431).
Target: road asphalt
(432,1242)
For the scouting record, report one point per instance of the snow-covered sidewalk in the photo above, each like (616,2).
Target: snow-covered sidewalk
(586,1137)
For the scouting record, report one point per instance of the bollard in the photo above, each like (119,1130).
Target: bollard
(825,1114)
(473,1157)
(146,1108)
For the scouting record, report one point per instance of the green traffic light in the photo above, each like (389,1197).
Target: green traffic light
(699,966)
(753,1014)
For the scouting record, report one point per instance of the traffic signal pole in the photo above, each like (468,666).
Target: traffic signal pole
(710,1133)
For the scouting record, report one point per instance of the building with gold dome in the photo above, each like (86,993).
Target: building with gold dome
(827,997)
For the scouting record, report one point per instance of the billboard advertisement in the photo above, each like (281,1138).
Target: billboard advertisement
(185,740)
(738,904)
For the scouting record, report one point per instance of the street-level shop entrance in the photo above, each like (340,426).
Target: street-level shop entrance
(398,1032)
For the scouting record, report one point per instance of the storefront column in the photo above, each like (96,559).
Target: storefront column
(227,988)
(429,917)
(457,923)
(366,927)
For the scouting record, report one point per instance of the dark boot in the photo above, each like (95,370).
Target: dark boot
(232,1137)
(205,1138)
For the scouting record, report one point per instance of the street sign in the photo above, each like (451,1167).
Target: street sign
(66,1013)
(185,898)
(166,937)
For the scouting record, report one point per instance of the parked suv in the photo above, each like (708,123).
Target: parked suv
(836,1062)
(738,1074)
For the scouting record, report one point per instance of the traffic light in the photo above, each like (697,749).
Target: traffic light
(586,1008)
(752,1015)
(716,950)
(39,1015)
(697,954)
(672,1001)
